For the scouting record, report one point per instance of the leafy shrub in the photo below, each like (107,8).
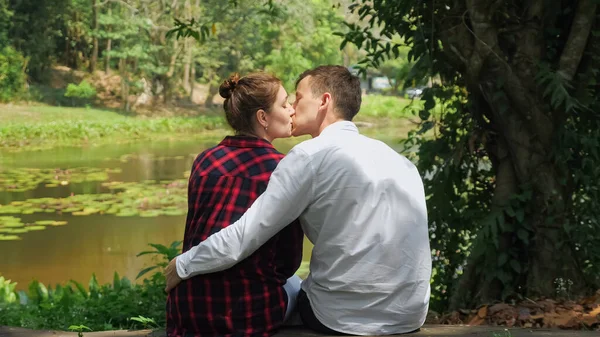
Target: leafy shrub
(117,305)
(81,93)
(12,76)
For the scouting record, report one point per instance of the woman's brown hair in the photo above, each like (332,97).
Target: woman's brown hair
(245,96)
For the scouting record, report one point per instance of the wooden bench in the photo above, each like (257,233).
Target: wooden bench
(427,330)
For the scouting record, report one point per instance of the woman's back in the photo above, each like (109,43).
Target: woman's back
(247,299)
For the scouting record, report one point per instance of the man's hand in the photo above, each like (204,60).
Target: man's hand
(171,275)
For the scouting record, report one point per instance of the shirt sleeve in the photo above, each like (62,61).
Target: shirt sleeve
(288,194)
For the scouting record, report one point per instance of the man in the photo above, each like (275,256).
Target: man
(360,203)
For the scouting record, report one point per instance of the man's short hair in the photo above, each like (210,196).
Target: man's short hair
(340,83)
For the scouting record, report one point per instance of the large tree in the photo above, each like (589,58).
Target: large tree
(512,167)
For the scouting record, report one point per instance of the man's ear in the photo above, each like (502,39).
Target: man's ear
(325,100)
(261,117)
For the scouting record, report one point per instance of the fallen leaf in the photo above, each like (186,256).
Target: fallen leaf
(482,312)
(476,321)
(498,307)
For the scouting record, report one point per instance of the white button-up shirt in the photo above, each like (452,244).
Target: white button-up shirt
(362,205)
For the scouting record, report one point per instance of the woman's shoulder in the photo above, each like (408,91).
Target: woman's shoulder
(238,160)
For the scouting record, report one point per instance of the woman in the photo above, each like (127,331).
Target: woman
(250,298)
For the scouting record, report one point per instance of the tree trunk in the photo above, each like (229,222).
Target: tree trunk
(521,121)
(213,89)
(169,75)
(108,45)
(94,59)
(192,81)
(187,66)
(187,46)
(173,60)
(124,84)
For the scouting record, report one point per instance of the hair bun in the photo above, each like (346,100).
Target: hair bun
(226,89)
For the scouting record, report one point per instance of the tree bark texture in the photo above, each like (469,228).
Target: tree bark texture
(94,58)
(522,124)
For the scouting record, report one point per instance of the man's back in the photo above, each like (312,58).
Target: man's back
(371,263)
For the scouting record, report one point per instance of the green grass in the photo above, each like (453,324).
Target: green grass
(41,127)
(44,114)
(388,107)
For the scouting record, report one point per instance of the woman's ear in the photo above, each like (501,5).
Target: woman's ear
(261,118)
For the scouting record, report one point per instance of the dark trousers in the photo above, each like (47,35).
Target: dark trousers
(310,320)
(308,316)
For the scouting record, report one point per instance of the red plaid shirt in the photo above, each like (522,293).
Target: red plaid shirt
(247,299)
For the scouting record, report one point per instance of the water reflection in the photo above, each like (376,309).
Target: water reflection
(93,244)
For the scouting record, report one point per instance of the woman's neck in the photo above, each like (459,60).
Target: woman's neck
(262,135)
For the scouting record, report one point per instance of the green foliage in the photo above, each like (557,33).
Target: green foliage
(7,291)
(308,40)
(5,23)
(120,305)
(12,77)
(156,41)
(284,39)
(167,254)
(386,106)
(93,127)
(145,321)
(79,329)
(81,90)
(80,93)
(36,31)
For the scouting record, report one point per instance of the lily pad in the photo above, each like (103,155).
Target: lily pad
(148,199)
(18,230)
(127,213)
(9,237)
(58,223)
(150,214)
(9,209)
(44,222)
(13,225)
(20,180)
(35,228)
(173,212)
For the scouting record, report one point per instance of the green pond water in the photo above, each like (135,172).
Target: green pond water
(66,213)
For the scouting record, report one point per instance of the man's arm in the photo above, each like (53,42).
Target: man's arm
(289,192)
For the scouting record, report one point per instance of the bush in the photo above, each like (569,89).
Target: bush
(117,305)
(80,94)
(12,75)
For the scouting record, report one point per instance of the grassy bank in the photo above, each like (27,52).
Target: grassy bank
(379,106)
(42,127)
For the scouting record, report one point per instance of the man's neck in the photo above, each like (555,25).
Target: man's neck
(327,122)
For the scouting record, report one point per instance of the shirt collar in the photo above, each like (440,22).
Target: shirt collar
(245,141)
(341,126)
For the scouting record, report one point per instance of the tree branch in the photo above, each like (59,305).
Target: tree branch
(485,35)
(580,31)
(124,3)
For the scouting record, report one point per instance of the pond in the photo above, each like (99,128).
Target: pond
(66,213)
